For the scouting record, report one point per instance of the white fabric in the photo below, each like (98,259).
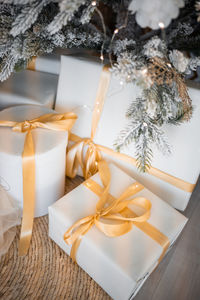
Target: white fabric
(9,218)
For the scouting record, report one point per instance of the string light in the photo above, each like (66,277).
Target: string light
(161,25)
(104,29)
(113,37)
(144,71)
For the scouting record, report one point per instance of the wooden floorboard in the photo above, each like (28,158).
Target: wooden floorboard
(178,275)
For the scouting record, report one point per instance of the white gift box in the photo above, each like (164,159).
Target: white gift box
(28,87)
(49,63)
(77,88)
(120,265)
(50,158)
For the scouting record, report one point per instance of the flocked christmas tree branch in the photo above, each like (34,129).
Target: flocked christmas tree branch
(32,27)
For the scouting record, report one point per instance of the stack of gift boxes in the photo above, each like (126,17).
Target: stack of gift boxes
(119,223)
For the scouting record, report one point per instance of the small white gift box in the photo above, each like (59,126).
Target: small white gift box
(77,89)
(50,158)
(28,87)
(120,265)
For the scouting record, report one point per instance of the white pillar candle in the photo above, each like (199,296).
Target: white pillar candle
(50,155)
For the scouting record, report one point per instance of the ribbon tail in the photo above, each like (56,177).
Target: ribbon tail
(74,248)
(28,166)
(75,245)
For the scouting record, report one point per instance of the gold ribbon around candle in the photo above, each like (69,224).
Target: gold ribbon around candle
(86,154)
(57,122)
(116,211)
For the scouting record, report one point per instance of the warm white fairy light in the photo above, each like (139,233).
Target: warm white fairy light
(94,3)
(113,36)
(144,71)
(161,25)
(104,30)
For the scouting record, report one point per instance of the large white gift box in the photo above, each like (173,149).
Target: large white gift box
(50,158)
(120,265)
(28,87)
(77,89)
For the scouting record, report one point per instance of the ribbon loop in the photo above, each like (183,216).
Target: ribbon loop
(85,154)
(57,122)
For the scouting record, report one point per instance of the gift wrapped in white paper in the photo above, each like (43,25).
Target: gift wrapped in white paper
(49,63)
(120,265)
(28,87)
(77,88)
(50,158)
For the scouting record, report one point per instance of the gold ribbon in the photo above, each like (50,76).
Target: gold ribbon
(76,156)
(32,64)
(114,210)
(58,122)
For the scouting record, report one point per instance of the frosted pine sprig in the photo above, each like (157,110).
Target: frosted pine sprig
(68,9)
(17,2)
(27,17)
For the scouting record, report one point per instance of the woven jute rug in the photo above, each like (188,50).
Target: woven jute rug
(46,272)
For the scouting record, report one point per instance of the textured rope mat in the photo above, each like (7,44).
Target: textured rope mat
(46,272)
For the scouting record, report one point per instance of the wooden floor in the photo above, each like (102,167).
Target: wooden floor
(178,275)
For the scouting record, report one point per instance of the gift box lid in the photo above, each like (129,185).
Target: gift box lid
(28,87)
(132,254)
(44,139)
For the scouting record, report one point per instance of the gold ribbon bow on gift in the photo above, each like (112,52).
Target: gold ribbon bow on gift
(57,122)
(77,157)
(86,154)
(112,216)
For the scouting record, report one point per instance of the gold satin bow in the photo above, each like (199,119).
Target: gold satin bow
(76,156)
(58,122)
(121,218)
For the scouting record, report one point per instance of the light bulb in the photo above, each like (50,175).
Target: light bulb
(161,25)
